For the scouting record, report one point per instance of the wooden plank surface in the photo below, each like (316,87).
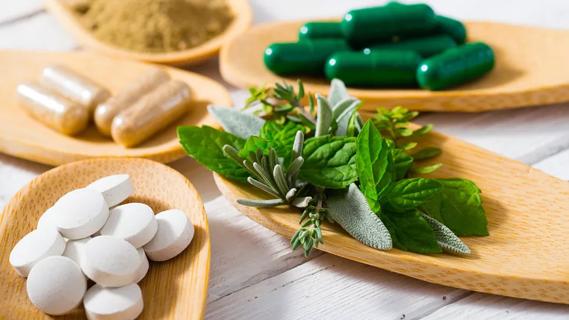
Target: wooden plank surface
(249,261)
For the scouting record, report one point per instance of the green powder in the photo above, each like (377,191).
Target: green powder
(155,25)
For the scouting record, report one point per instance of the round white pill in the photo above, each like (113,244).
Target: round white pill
(56,285)
(48,219)
(75,250)
(80,213)
(35,246)
(133,222)
(115,188)
(142,267)
(123,303)
(110,261)
(175,232)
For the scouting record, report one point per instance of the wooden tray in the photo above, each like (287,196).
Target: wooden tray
(24,137)
(529,70)
(242,20)
(175,289)
(525,256)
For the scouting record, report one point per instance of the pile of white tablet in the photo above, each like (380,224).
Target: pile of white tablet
(87,234)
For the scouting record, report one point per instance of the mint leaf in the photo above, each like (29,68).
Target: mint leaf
(329,162)
(281,137)
(409,194)
(374,164)
(410,231)
(349,208)
(458,206)
(236,122)
(205,146)
(252,144)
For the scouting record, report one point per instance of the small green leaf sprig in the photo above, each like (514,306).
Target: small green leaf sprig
(309,235)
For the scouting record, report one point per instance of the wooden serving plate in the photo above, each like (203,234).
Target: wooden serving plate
(241,21)
(528,68)
(174,289)
(525,256)
(24,137)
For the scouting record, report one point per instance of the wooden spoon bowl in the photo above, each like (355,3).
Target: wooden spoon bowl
(174,289)
(241,21)
(24,137)
(526,255)
(529,70)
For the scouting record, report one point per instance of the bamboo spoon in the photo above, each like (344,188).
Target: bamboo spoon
(529,64)
(525,256)
(22,136)
(242,20)
(176,289)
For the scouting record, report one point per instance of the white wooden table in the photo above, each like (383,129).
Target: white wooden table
(254,274)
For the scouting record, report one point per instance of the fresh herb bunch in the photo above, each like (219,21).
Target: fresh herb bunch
(322,159)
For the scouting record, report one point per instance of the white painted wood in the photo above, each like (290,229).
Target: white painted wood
(19,10)
(481,306)
(14,174)
(557,165)
(39,32)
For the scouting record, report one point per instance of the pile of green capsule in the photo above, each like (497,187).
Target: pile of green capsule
(395,45)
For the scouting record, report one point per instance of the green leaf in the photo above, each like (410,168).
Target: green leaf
(427,169)
(205,146)
(458,206)
(252,144)
(281,137)
(349,208)
(402,162)
(426,153)
(236,122)
(374,165)
(448,241)
(409,194)
(410,231)
(323,117)
(329,162)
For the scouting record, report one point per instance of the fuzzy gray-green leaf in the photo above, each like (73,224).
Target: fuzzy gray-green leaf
(262,203)
(324,117)
(236,122)
(351,211)
(338,92)
(448,241)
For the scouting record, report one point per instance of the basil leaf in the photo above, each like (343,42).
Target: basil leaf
(349,208)
(402,162)
(374,164)
(427,153)
(410,231)
(205,146)
(329,162)
(458,206)
(236,122)
(409,194)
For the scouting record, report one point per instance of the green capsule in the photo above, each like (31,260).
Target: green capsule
(304,57)
(381,68)
(455,66)
(453,28)
(424,46)
(320,30)
(363,27)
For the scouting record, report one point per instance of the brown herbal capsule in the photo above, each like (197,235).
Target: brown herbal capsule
(151,113)
(74,86)
(106,111)
(52,110)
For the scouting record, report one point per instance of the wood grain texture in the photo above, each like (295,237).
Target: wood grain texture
(174,289)
(22,136)
(241,21)
(528,60)
(525,256)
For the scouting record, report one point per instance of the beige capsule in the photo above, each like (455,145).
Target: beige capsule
(52,110)
(74,86)
(151,113)
(106,111)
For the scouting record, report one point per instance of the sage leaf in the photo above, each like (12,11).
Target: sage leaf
(236,122)
(324,117)
(329,162)
(344,105)
(459,207)
(409,194)
(374,165)
(448,241)
(338,92)
(349,208)
(410,231)
(205,145)
(343,119)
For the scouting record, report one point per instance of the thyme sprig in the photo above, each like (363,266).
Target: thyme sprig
(309,235)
